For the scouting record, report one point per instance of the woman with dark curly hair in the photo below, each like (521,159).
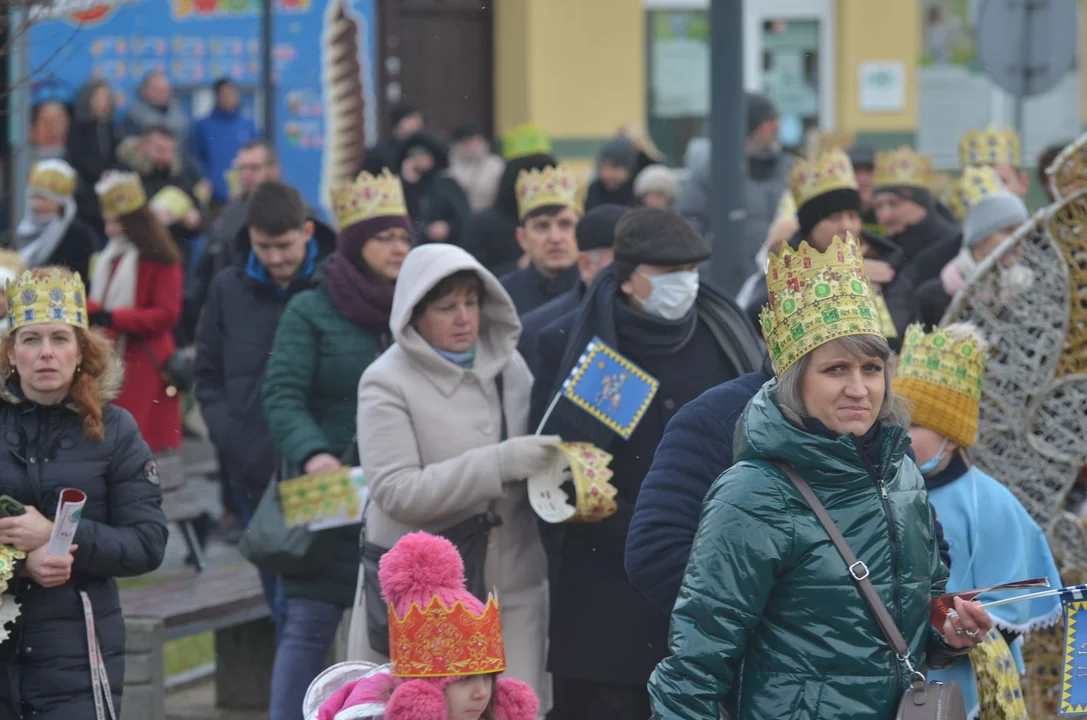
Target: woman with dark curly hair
(61,432)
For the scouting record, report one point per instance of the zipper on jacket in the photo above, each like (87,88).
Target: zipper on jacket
(886,502)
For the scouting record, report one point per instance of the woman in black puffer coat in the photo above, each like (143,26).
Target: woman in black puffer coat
(58,430)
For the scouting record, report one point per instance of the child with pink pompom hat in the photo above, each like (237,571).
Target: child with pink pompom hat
(446,649)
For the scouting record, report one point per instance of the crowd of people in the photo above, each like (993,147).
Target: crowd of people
(425,332)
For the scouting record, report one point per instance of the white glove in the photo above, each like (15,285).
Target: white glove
(525,456)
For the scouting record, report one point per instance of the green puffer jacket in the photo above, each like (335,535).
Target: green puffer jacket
(768,623)
(310,400)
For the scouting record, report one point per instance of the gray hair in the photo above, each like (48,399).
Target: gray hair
(790,399)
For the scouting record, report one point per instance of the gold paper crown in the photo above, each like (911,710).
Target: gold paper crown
(53,176)
(821,142)
(903,167)
(977,183)
(439,641)
(120,193)
(554,185)
(524,140)
(830,171)
(586,466)
(941,377)
(369,196)
(786,207)
(51,298)
(814,298)
(990,146)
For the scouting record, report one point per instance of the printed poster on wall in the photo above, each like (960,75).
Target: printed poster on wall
(324,67)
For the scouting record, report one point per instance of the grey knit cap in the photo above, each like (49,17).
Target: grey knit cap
(995,212)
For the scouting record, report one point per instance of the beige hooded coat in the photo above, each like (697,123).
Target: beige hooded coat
(428,438)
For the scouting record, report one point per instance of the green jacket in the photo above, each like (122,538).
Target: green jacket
(769,623)
(310,401)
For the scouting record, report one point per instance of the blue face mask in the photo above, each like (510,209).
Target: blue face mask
(933,462)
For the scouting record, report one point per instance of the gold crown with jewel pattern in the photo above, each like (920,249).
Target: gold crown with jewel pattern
(903,167)
(990,146)
(941,377)
(368,196)
(55,177)
(820,142)
(52,298)
(120,193)
(814,298)
(828,172)
(977,183)
(554,185)
(439,641)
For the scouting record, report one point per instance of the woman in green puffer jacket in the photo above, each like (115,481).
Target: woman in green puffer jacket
(769,623)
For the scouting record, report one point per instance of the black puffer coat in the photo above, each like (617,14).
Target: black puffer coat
(122,533)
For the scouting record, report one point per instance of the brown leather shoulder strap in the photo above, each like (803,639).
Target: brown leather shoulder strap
(857,570)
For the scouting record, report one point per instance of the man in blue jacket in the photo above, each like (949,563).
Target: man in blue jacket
(217,138)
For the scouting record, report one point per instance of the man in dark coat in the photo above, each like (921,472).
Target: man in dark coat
(650,306)
(595,236)
(404,121)
(547,204)
(281,249)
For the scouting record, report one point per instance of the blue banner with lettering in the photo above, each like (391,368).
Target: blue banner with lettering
(324,56)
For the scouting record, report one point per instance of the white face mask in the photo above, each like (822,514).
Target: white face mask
(673,294)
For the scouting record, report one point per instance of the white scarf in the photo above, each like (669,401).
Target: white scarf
(115,289)
(38,241)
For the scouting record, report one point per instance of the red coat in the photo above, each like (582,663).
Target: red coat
(149,327)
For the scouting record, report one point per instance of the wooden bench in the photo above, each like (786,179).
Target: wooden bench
(227,601)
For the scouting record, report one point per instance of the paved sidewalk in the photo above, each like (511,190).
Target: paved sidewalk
(197,702)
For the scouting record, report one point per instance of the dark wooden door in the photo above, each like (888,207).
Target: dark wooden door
(439,56)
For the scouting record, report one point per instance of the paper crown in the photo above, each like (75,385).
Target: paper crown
(368,196)
(120,193)
(827,172)
(439,641)
(173,201)
(903,167)
(9,605)
(1068,171)
(814,298)
(821,142)
(977,183)
(586,466)
(990,146)
(52,298)
(55,177)
(941,377)
(524,140)
(786,207)
(554,185)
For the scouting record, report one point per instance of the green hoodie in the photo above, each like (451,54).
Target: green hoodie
(769,623)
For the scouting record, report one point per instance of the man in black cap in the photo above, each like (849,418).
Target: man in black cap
(595,234)
(404,121)
(649,306)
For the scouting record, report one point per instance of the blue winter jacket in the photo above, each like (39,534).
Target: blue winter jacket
(216,140)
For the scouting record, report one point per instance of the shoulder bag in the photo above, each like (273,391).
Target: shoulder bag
(177,372)
(470,536)
(923,700)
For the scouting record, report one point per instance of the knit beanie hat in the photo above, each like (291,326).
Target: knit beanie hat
(656,178)
(620,151)
(760,109)
(422,577)
(596,230)
(350,239)
(994,212)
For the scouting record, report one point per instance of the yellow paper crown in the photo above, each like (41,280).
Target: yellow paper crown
(53,176)
(827,172)
(821,142)
(554,185)
(586,466)
(786,207)
(368,196)
(120,193)
(941,377)
(814,298)
(990,146)
(524,140)
(903,167)
(440,641)
(977,183)
(51,298)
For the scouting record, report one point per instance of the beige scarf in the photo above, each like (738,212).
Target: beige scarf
(115,288)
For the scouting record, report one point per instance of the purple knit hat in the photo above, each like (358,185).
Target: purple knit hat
(351,238)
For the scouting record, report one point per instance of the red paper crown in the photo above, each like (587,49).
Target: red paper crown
(441,641)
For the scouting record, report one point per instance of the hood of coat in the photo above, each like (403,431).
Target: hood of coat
(499,327)
(109,385)
(128,153)
(764,434)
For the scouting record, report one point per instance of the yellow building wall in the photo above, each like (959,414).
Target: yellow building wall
(875,30)
(577,67)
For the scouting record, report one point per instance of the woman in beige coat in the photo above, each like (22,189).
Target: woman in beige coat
(429,424)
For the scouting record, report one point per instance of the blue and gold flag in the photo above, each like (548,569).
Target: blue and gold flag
(610,388)
(1074,683)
